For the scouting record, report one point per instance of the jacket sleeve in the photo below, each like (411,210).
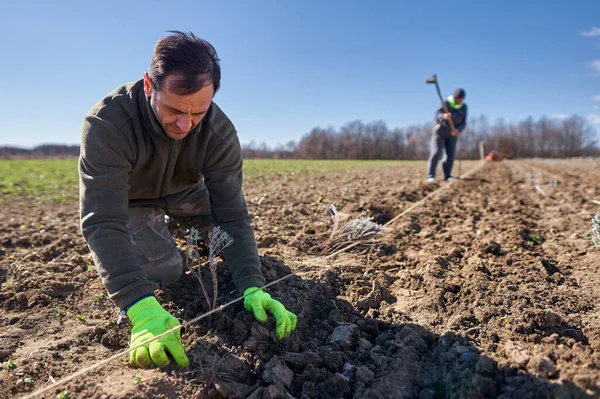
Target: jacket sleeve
(223,178)
(439,115)
(461,126)
(104,165)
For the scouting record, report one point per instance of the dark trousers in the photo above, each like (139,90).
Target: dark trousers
(155,247)
(439,145)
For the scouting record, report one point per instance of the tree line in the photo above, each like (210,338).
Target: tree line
(545,138)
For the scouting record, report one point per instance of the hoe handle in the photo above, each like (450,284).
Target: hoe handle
(444,106)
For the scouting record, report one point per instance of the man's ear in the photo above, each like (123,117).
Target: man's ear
(148,88)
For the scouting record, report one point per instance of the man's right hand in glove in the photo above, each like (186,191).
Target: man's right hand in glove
(149,319)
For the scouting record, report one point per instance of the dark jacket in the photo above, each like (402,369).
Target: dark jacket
(459,117)
(127,159)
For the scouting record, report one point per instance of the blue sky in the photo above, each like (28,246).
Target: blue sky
(289,66)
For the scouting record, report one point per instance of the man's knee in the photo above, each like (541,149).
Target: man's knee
(155,248)
(165,271)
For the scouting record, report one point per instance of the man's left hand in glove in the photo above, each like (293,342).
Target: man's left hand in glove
(259,303)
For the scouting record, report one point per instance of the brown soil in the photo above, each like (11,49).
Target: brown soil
(486,290)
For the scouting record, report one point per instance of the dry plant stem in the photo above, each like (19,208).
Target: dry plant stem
(218,240)
(540,191)
(335,217)
(213,272)
(198,273)
(356,230)
(192,252)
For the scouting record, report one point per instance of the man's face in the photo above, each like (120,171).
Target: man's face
(458,100)
(178,115)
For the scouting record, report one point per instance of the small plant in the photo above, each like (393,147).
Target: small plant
(90,267)
(360,229)
(59,314)
(596,230)
(81,318)
(98,298)
(63,395)
(10,364)
(27,380)
(218,240)
(537,240)
(137,380)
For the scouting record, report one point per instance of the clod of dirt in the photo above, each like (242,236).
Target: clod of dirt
(276,372)
(456,254)
(364,345)
(544,366)
(276,391)
(349,370)
(336,386)
(442,262)
(115,338)
(59,289)
(18,302)
(344,335)
(299,361)
(233,390)
(258,334)
(23,242)
(386,250)
(486,366)
(552,319)
(493,248)
(257,394)
(333,360)
(550,267)
(240,331)
(515,353)
(312,373)
(374,298)
(364,375)
(309,390)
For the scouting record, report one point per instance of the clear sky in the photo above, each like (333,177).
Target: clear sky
(289,66)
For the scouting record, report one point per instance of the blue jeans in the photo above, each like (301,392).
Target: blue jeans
(438,145)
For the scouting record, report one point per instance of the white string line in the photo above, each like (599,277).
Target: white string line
(220,308)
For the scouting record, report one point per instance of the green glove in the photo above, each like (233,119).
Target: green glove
(149,319)
(259,303)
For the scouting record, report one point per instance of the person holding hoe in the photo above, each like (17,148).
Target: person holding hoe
(450,120)
(161,146)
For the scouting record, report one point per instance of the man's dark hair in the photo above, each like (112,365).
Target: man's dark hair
(192,59)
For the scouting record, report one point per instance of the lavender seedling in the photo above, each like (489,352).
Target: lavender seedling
(193,254)
(335,217)
(218,240)
(596,230)
(359,229)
